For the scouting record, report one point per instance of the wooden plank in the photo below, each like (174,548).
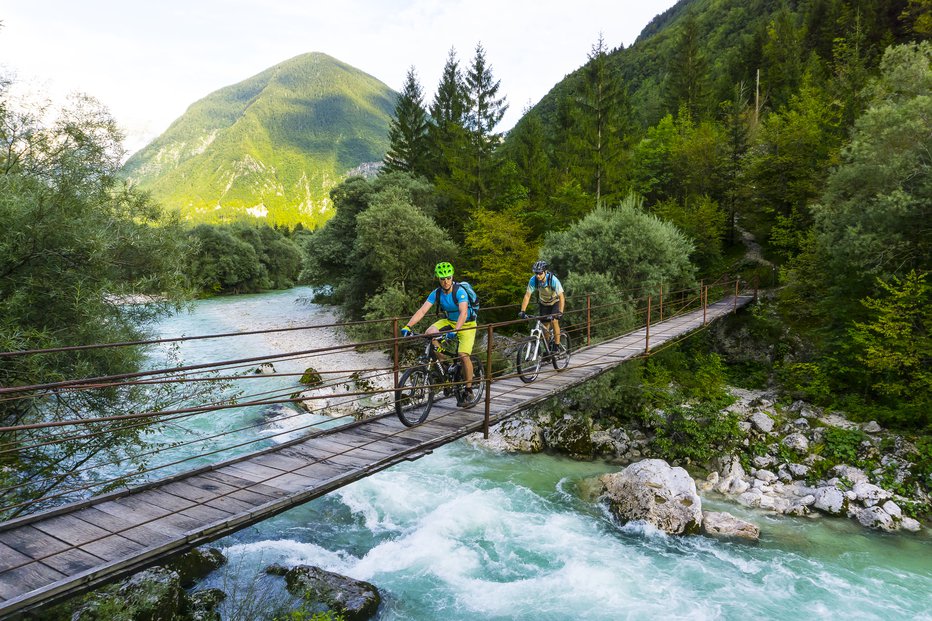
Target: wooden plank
(228,478)
(71,562)
(32,542)
(71,529)
(183,489)
(16,582)
(206,515)
(279,462)
(112,548)
(139,534)
(257,473)
(11,558)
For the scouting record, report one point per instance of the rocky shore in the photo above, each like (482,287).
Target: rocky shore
(787,460)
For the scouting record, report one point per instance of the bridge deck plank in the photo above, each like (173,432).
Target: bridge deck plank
(68,552)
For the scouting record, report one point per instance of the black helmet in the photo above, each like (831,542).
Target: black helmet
(540,266)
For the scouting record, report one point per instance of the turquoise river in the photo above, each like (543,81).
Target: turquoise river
(466,533)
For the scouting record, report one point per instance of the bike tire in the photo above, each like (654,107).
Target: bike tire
(527,363)
(561,354)
(413,397)
(478,384)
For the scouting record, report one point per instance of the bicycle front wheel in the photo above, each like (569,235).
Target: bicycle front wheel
(413,397)
(561,353)
(528,360)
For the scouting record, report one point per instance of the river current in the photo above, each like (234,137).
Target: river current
(466,533)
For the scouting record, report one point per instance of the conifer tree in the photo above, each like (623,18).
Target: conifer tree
(599,120)
(447,111)
(409,148)
(687,73)
(448,140)
(484,111)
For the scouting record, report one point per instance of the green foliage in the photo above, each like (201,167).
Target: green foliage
(636,250)
(503,253)
(76,242)
(896,344)
(409,149)
(805,380)
(270,147)
(242,258)
(698,433)
(377,253)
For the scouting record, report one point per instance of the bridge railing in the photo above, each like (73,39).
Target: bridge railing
(80,439)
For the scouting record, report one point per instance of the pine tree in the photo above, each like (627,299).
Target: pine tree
(484,111)
(600,121)
(447,112)
(687,73)
(409,148)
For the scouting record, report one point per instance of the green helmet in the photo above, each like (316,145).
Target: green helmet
(443,270)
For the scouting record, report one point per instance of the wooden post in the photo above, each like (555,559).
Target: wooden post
(735,309)
(756,283)
(647,330)
(395,349)
(588,320)
(705,299)
(488,381)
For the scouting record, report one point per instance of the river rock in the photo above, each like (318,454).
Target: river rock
(796,442)
(852,474)
(910,524)
(870,494)
(872,427)
(762,421)
(875,517)
(355,600)
(653,491)
(893,509)
(830,500)
(720,524)
(522,435)
(571,435)
(196,564)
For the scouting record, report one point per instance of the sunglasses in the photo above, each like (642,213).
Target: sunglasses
(539,273)
(447,278)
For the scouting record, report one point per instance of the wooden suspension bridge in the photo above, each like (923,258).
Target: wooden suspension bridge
(54,554)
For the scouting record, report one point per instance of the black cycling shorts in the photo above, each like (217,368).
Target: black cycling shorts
(548,309)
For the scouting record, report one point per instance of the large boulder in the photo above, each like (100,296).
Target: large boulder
(725,525)
(355,600)
(653,491)
(196,565)
(571,435)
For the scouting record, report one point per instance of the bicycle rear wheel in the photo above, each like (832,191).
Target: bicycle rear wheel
(413,397)
(528,360)
(561,353)
(477,388)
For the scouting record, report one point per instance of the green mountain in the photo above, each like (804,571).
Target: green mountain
(270,147)
(734,39)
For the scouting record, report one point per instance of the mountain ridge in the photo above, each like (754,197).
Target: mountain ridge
(270,146)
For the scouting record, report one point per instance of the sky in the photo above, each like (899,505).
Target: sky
(147,61)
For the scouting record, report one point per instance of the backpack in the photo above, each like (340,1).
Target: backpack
(472,300)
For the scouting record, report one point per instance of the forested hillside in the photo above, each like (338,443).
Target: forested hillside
(270,148)
(785,141)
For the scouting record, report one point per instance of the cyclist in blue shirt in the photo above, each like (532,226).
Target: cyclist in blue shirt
(550,298)
(457,318)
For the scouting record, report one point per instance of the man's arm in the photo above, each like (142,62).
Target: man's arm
(524,302)
(464,312)
(419,314)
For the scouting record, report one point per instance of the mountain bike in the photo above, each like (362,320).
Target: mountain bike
(536,349)
(436,375)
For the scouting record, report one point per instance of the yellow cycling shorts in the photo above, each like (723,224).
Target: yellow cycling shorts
(466,336)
